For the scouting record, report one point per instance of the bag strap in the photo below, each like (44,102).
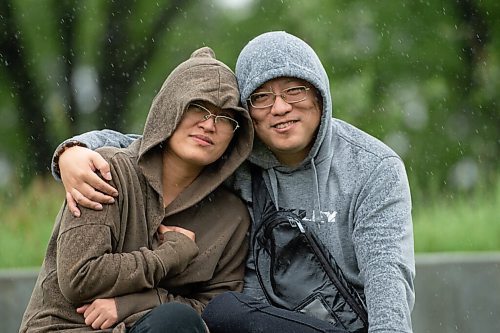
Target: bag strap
(261,200)
(262,204)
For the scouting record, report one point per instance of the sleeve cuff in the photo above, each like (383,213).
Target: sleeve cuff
(127,305)
(59,151)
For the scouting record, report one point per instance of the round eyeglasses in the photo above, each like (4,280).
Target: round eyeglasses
(290,95)
(223,123)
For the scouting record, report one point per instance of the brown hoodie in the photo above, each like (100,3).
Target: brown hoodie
(116,253)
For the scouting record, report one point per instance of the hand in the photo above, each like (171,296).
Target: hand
(100,314)
(78,167)
(163,229)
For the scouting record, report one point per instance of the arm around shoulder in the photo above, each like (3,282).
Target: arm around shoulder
(92,140)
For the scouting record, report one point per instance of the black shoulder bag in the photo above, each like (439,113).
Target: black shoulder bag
(295,269)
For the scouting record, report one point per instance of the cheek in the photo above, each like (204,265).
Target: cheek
(225,143)
(256,117)
(316,115)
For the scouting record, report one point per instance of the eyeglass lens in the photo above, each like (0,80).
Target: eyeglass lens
(290,95)
(222,122)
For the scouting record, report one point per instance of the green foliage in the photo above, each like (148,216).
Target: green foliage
(27,220)
(422,76)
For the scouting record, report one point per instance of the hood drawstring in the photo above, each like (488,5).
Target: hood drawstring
(274,186)
(316,214)
(273,179)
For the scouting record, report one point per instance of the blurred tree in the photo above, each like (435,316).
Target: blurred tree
(24,87)
(121,61)
(423,76)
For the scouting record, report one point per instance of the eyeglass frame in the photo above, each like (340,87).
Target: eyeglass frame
(280,94)
(213,115)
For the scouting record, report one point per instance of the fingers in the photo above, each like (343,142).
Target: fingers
(84,201)
(78,167)
(188,233)
(106,191)
(185,232)
(73,208)
(101,313)
(91,183)
(90,314)
(82,308)
(163,229)
(93,317)
(100,164)
(107,324)
(86,196)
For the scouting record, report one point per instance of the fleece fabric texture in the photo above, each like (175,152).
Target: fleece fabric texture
(351,189)
(117,252)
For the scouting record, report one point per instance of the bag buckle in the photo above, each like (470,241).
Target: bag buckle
(296,223)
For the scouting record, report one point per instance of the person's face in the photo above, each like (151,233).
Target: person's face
(198,140)
(287,129)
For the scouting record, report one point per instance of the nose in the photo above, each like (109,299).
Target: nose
(280,107)
(208,124)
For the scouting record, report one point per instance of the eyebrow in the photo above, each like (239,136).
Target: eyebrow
(288,80)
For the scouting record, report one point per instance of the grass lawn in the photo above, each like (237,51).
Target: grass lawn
(469,223)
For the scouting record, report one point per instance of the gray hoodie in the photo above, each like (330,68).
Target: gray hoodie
(351,189)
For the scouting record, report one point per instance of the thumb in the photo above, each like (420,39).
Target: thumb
(82,308)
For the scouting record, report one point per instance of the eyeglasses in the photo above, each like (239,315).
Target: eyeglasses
(290,95)
(222,123)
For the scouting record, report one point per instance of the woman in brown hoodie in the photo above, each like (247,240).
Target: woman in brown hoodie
(174,236)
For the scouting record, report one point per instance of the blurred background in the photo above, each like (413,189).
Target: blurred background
(422,76)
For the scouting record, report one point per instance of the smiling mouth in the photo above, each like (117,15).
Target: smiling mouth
(284,125)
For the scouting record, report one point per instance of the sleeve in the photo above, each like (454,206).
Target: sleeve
(228,276)
(383,240)
(89,267)
(92,140)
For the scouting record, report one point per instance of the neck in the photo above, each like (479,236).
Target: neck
(177,175)
(289,160)
(292,159)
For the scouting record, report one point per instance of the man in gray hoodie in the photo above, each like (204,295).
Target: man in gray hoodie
(350,188)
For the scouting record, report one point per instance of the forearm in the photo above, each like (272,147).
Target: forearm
(383,238)
(88,268)
(390,297)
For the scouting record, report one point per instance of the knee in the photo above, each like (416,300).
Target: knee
(225,310)
(177,311)
(176,317)
(223,303)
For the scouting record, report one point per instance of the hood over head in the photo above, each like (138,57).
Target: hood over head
(200,78)
(279,54)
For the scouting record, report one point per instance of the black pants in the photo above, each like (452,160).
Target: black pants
(233,312)
(170,318)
